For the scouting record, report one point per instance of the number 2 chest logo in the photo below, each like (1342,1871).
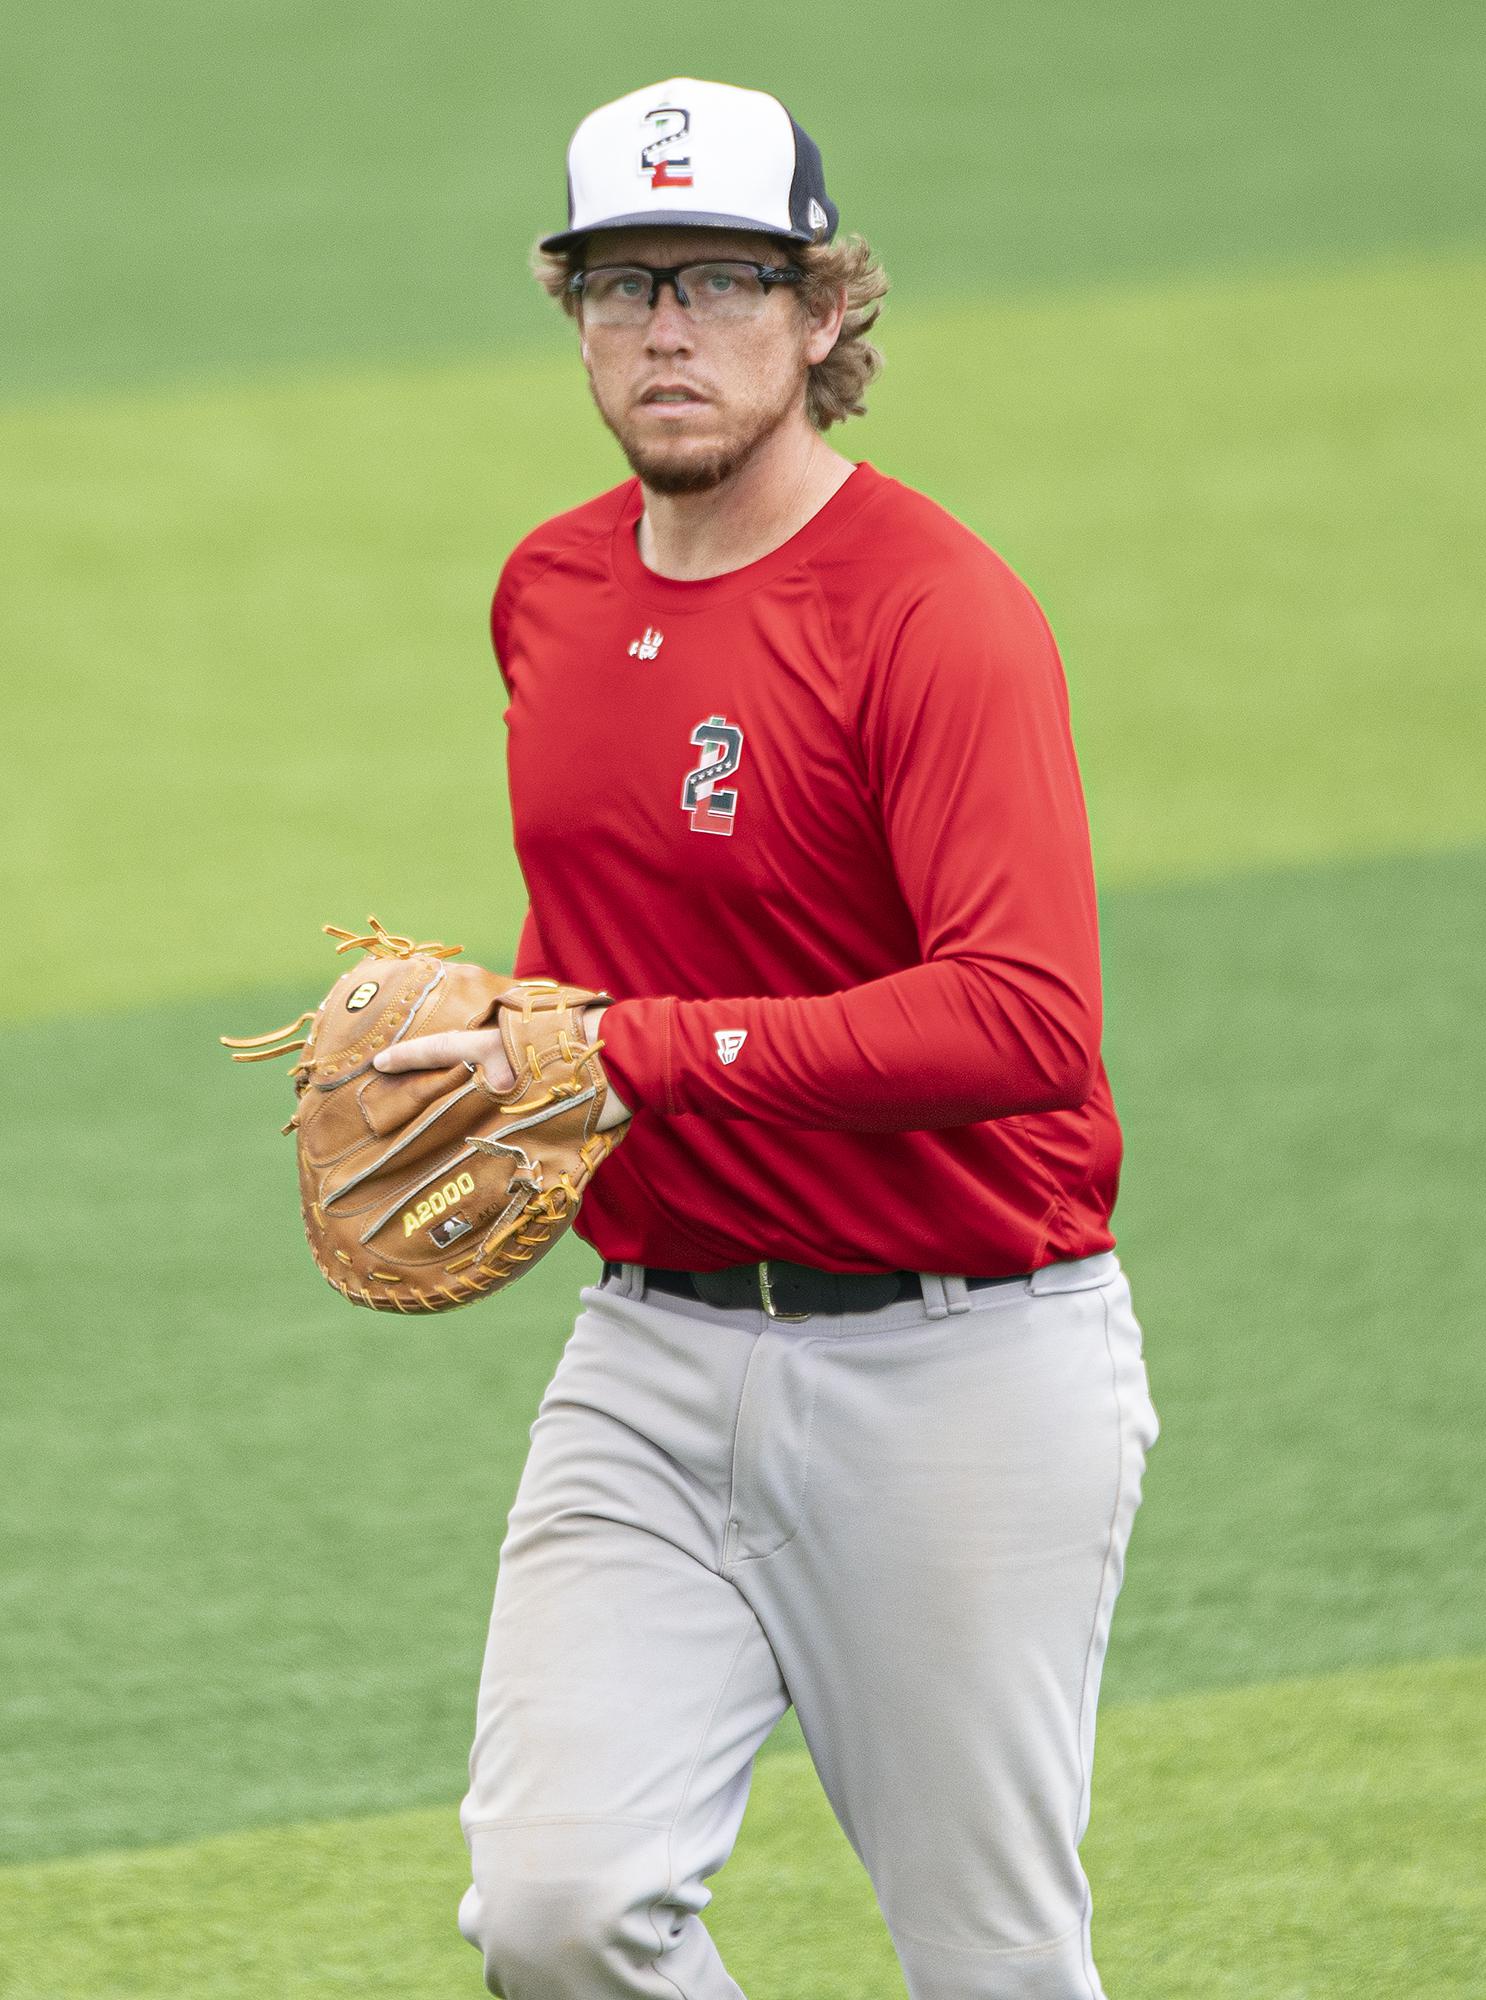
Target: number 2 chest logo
(710,805)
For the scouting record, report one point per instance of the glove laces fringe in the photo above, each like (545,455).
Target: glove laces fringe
(382,943)
(263,1048)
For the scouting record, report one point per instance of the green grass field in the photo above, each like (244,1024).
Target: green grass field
(1187,324)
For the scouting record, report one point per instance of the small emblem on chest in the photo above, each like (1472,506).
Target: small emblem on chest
(729,1041)
(711,809)
(648,646)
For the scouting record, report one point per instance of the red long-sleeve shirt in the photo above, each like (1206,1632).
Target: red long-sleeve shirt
(817,823)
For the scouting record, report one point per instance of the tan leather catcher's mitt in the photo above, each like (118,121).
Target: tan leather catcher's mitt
(426,1189)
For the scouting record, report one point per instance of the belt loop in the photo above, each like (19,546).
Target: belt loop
(1080,1274)
(630,1281)
(943,1296)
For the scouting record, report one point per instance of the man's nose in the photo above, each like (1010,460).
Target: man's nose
(669,329)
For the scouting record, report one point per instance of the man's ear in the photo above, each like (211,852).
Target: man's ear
(825,329)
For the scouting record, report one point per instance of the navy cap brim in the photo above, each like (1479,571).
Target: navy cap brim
(677,218)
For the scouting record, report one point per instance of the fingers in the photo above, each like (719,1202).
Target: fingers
(433,1051)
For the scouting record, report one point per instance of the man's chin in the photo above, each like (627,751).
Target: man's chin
(681,466)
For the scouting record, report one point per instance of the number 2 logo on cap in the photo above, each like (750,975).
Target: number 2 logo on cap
(666,155)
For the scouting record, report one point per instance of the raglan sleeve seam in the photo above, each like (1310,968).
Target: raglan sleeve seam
(847,701)
(519,589)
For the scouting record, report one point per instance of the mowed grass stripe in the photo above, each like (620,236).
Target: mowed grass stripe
(250,1534)
(363,180)
(252,689)
(1313,1838)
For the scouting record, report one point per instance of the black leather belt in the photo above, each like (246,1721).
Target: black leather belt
(795,1291)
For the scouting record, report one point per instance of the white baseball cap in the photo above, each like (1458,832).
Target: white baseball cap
(704,155)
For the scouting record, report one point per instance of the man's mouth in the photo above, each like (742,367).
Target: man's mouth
(672,395)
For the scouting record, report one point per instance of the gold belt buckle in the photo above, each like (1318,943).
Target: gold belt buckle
(766,1293)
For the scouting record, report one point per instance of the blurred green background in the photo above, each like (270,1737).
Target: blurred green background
(1187,322)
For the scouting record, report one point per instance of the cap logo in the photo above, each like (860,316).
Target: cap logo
(665,158)
(818,217)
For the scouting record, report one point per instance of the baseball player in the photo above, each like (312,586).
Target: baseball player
(857,1416)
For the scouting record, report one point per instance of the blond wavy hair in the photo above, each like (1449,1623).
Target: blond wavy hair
(835,388)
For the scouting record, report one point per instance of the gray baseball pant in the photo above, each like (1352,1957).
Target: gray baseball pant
(911,1524)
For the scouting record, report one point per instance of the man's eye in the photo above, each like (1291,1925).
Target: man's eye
(720,281)
(630,287)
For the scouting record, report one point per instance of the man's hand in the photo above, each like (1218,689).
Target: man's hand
(483,1049)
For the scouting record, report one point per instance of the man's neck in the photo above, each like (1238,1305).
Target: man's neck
(769,498)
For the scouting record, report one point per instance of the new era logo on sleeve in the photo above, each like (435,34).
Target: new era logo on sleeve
(729,1041)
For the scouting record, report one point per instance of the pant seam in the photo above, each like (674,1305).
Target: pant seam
(563,1819)
(763,1555)
(670,1831)
(732,1513)
(1085,1770)
(991,1950)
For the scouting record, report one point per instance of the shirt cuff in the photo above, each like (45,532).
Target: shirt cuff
(636,1035)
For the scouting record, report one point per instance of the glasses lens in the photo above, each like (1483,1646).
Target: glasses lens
(616,295)
(619,295)
(723,291)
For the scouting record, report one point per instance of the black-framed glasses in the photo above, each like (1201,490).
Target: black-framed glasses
(625,294)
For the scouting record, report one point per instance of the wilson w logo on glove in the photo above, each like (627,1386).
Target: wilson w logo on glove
(425,1189)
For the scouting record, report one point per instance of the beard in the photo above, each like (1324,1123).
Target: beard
(679,466)
(665,470)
